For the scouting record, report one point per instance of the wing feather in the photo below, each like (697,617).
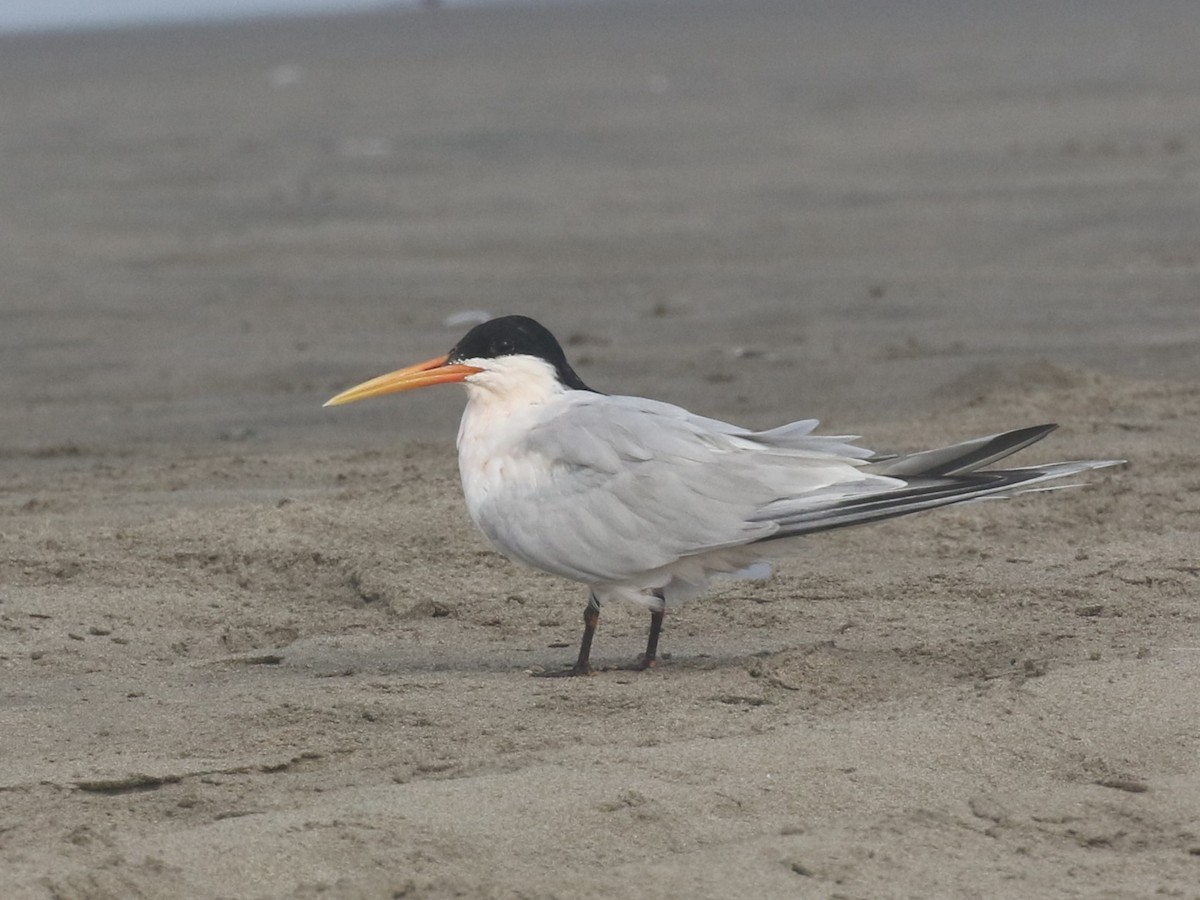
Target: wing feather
(620,486)
(626,494)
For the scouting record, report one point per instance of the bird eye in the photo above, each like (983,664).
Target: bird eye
(502,347)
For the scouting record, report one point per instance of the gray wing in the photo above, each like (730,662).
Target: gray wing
(628,485)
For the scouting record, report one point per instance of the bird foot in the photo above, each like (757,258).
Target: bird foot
(641,664)
(572,672)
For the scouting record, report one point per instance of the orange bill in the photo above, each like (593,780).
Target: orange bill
(433,371)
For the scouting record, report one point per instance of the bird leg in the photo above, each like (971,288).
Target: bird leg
(583,666)
(650,657)
(591,618)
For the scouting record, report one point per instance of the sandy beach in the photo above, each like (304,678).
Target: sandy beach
(253,648)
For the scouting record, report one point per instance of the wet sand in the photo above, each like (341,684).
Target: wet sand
(253,648)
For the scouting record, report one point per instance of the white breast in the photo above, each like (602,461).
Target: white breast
(501,476)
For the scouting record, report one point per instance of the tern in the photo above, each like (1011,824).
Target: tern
(644,501)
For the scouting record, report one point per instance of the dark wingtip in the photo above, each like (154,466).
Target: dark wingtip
(958,459)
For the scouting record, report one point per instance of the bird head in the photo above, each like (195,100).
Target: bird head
(497,354)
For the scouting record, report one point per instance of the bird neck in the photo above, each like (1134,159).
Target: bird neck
(512,383)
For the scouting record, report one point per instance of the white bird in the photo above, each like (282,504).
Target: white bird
(643,501)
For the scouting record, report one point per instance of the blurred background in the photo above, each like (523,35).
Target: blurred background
(854,211)
(82,14)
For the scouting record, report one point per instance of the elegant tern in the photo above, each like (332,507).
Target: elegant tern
(643,501)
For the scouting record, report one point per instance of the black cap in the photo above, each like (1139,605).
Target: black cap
(516,336)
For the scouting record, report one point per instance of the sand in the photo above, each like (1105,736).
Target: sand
(252,647)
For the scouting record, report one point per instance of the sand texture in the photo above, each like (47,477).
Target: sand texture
(252,648)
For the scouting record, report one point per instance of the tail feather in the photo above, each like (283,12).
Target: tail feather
(958,459)
(931,479)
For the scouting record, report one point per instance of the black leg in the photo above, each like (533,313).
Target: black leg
(583,666)
(591,618)
(650,657)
